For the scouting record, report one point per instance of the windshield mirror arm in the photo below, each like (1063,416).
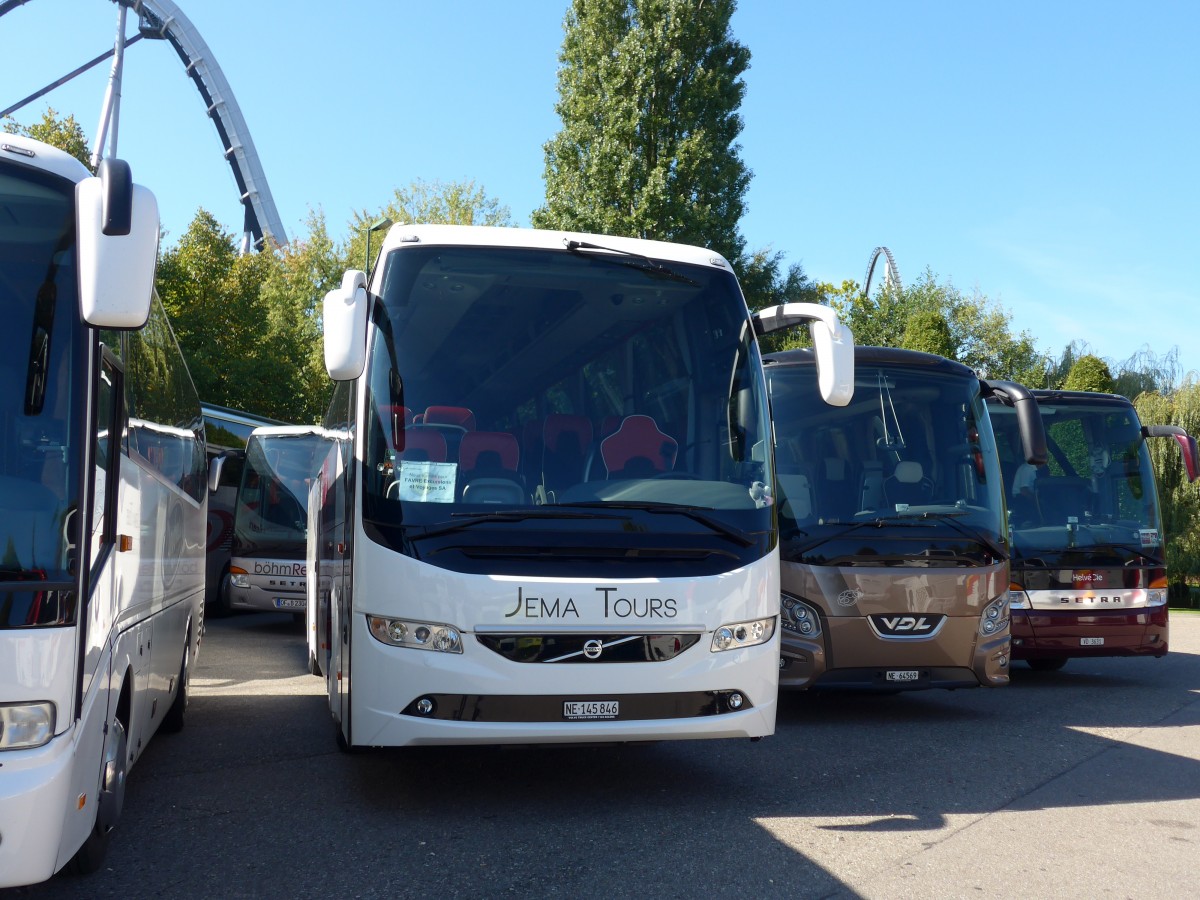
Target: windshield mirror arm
(833,344)
(1187,446)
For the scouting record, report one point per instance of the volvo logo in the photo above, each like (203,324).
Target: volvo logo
(593,648)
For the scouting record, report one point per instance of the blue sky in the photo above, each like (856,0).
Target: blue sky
(1043,154)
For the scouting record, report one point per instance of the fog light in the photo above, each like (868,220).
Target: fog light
(425,706)
(736,700)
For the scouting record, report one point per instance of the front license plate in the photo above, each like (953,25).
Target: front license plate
(1091,642)
(903,675)
(290,602)
(591,709)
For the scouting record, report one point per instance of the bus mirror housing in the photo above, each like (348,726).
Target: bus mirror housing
(1187,446)
(832,342)
(117,228)
(345,316)
(215,465)
(1029,418)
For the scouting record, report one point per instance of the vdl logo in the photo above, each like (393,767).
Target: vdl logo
(906,626)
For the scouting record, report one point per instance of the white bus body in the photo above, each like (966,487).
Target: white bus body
(102,507)
(547,515)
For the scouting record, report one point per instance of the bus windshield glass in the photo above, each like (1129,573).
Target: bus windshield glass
(567,393)
(272,503)
(38,457)
(1095,496)
(912,458)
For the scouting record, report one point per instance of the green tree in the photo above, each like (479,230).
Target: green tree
(649,92)
(927,330)
(1180,499)
(1090,373)
(979,332)
(64,133)
(428,202)
(239,353)
(292,293)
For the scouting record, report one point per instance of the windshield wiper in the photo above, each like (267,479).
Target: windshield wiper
(973,533)
(695,513)
(500,515)
(878,522)
(645,264)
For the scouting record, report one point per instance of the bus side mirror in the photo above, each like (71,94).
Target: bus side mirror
(117,228)
(832,342)
(1029,418)
(345,317)
(1191,456)
(1187,446)
(215,465)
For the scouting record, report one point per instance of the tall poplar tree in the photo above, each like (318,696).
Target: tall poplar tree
(649,92)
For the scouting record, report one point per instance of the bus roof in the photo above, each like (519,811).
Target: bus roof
(25,150)
(867,355)
(535,238)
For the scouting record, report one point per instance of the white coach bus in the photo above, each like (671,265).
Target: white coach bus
(548,512)
(102,506)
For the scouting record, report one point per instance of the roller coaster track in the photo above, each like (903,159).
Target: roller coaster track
(891,275)
(163,20)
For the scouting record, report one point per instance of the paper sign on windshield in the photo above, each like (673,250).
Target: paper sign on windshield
(427,482)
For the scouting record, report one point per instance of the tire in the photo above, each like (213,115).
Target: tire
(220,607)
(172,722)
(111,799)
(1047,665)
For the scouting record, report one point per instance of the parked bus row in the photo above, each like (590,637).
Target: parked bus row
(558,496)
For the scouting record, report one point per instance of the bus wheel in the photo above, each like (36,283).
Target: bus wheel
(220,607)
(90,856)
(173,721)
(1047,665)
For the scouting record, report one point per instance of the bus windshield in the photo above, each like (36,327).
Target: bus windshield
(272,503)
(38,457)
(911,460)
(567,393)
(1095,497)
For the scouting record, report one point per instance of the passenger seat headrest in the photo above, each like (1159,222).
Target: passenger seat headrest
(907,472)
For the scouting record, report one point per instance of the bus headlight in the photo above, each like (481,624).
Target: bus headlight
(1156,597)
(743,634)
(24,726)
(239,577)
(1017,598)
(417,635)
(799,616)
(995,616)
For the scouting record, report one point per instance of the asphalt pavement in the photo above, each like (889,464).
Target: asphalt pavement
(1078,783)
